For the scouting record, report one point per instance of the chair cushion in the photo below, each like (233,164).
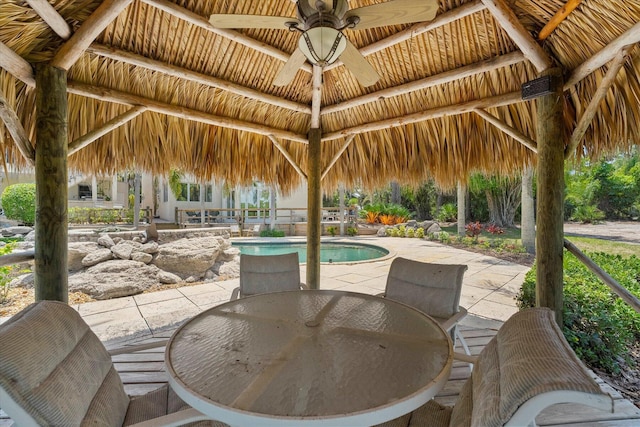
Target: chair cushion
(432,414)
(160,402)
(57,370)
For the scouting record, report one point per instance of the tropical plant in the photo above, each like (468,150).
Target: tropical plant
(386,219)
(447,212)
(175,182)
(5,274)
(271,233)
(587,214)
(371,217)
(332,230)
(19,203)
(503,195)
(494,229)
(420,232)
(473,230)
(352,231)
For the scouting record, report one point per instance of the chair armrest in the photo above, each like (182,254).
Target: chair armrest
(465,357)
(304,286)
(453,320)
(235,294)
(176,419)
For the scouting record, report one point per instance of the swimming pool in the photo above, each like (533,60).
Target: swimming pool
(329,252)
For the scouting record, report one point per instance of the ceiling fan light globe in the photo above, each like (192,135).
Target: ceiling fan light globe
(322,45)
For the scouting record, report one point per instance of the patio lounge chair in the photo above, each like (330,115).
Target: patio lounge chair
(234,230)
(253,231)
(525,368)
(261,274)
(54,371)
(433,289)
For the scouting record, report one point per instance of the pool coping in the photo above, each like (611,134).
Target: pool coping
(347,240)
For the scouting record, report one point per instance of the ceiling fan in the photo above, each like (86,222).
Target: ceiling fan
(321,24)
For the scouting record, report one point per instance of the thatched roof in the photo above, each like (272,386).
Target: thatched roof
(211,108)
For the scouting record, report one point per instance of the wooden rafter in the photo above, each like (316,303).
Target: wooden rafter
(520,36)
(15,128)
(606,54)
(446,77)
(337,156)
(413,31)
(288,156)
(594,104)
(71,51)
(51,16)
(17,66)
(112,124)
(557,19)
(509,130)
(195,19)
(183,73)
(447,110)
(109,95)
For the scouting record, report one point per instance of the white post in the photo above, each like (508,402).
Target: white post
(94,190)
(272,209)
(341,203)
(528,222)
(114,189)
(136,202)
(202,193)
(462,209)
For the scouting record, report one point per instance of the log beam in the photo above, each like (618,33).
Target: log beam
(447,110)
(446,77)
(316,96)
(73,49)
(199,21)
(603,56)
(17,66)
(288,156)
(594,104)
(114,96)
(520,36)
(314,208)
(509,130)
(183,73)
(557,19)
(51,229)
(51,16)
(550,194)
(417,29)
(112,124)
(337,156)
(15,128)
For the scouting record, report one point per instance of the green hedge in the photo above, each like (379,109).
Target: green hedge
(19,203)
(600,327)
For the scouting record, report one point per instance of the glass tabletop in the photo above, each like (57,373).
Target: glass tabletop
(317,356)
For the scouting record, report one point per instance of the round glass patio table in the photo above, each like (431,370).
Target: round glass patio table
(311,357)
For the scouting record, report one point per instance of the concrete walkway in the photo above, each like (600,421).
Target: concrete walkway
(490,285)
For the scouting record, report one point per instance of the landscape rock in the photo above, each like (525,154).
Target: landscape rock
(106,241)
(229,254)
(426,225)
(141,257)
(435,228)
(97,257)
(382,232)
(227,270)
(31,237)
(23,281)
(188,257)
(18,229)
(122,250)
(168,278)
(149,248)
(114,279)
(77,251)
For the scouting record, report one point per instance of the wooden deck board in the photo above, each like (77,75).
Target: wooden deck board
(143,371)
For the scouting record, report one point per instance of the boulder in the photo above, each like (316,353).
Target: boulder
(188,257)
(23,281)
(18,229)
(229,254)
(77,251)
(435,228)
(96,257)
(114,279)
(227,270)
(106,241)
(149,248)
(141,257)
(124,249)
(168,278)
(412,223)
(426,224)
(382,232)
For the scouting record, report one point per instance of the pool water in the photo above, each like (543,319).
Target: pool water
(329,252)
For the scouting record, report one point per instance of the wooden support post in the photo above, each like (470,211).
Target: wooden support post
(550,239)
(314,211)
(528,222)
(51,270)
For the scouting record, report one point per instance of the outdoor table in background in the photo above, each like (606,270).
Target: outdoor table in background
(314,357)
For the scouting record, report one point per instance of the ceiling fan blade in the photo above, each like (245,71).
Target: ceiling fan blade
(394,12)
(358,65)
(290,68)
(250,21)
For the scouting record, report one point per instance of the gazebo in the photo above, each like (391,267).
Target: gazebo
(496,86)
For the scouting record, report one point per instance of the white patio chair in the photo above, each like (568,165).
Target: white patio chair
(54,371)
(234,230)
(253,231)
(433,289)
(525,368)
(261,274)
